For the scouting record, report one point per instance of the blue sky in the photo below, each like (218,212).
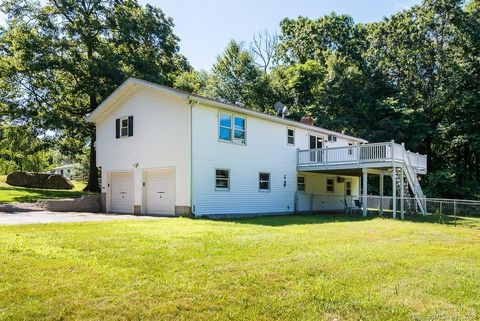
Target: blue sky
(205,27)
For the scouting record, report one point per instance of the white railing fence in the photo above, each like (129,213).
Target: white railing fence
(360,154)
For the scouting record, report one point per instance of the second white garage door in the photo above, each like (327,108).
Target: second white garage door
(160,192)
(122,192)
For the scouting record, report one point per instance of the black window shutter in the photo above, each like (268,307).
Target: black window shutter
(117,128)
(130,125)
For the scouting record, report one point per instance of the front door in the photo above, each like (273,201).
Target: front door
(316,142)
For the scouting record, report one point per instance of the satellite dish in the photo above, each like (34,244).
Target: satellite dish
(285,112)
(278,106)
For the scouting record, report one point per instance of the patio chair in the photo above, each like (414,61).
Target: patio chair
(357,206)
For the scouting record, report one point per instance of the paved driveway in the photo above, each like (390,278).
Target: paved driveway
(38,217)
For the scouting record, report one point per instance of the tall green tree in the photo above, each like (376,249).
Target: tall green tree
(236,78)
(66,56)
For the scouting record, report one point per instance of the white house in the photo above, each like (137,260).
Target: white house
(168,152)
(70,171)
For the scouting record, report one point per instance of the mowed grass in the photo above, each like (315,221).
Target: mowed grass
(274,268)
(13,194)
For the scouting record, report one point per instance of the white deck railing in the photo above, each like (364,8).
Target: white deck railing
(361,154)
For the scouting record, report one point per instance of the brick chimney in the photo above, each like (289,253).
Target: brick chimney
(307,120)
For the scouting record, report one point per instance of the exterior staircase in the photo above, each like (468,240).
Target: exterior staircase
(410,179)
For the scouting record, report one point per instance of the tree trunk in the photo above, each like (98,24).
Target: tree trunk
(92,185)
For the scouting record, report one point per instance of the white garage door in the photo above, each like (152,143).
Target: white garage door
(122,192)
(160,192)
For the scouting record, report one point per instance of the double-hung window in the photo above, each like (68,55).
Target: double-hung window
(300,183)
(264,181)
(348,188)
(222,179)
(225,127)
(330,185)
(124,127)
(291,136)
(232,128)
(239,129)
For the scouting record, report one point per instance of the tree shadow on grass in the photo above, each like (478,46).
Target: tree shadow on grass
(306,219)
(300,219)
(30,195)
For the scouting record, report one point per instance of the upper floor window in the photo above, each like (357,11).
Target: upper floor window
(222,179)
(332,138)
(239,130)
(264,181)
(350,148)
(330,185)
(290,136)
(225,127)
(232,131)
(124,127)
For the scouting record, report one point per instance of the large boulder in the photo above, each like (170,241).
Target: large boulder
(38,180)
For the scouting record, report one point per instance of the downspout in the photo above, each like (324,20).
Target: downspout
(192,207)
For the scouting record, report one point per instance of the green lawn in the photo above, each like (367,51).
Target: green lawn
(12,194)
(276,268)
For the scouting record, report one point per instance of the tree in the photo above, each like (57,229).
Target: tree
(236,78)
(67,56)
(193,82)
(21,149)
(262,49)
(304,39)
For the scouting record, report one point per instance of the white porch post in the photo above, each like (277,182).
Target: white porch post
(364,192)
(381,193)
(394,192)
(402,196)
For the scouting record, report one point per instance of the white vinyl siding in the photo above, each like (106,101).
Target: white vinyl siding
(161,140)
(265,151)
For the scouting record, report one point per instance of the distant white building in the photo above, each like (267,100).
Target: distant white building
(69,171)
(164,151)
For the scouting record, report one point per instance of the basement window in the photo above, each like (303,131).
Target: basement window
(330,185)
(348,188)
(301,184)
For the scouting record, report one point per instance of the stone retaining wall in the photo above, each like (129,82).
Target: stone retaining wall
(87,203)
